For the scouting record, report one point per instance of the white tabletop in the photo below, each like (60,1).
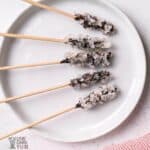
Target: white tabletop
(136,125)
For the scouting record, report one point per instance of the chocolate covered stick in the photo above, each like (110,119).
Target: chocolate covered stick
(100,96)
(84,81)
(90,59)
(81,42)
(86,20)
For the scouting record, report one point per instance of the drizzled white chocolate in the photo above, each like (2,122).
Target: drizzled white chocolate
(100,96)
(88,43)
(92,22)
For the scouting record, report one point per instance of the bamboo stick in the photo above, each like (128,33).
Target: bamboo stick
(10,99)
(31,37)
(29,65)
(49,8)
(35,123)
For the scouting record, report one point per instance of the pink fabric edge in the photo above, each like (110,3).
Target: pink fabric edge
(142,143)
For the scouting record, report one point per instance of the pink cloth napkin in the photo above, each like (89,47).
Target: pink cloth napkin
(142,143)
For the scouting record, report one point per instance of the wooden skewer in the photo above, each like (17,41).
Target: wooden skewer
(10,99)
(35,123)
(31,37)
(29,65)
(37,4)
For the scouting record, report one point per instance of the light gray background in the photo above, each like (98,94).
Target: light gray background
(137,124)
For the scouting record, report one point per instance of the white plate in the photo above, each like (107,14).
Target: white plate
(129,71)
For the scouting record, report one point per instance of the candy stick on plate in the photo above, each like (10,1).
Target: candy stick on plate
(82,59)
(100,96)
(86,20)
(80,42)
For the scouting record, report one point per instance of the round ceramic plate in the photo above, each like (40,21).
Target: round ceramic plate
(128,69)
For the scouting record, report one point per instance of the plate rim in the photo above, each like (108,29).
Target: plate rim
(142,82)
